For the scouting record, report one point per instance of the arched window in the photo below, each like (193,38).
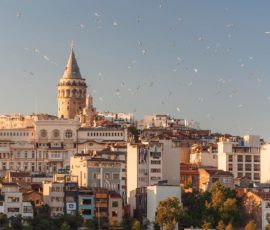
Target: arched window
(43,133)
(63,92)
(74,93)
(68,93)
(56,133)
(68,133)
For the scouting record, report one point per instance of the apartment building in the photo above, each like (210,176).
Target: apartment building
(265,163)
(13,201)
(241,158)
(99,172)
(207,177)
(86,203)
(53,195)
(157,193)
(115,208)
(204,155)
(149,163)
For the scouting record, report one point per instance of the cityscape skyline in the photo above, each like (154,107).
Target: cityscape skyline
(191,60)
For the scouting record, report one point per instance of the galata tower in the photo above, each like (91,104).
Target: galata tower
(71,90)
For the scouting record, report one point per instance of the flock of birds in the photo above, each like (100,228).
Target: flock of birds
(151,82)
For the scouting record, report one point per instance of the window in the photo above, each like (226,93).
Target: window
(155,162)
(43,133)
(107,176)
(256,167)
(56,133)
(116,176)
(256,176)
(86,212)
(68,133)
(86,201)
(248,167)
(96,175)
(12,199)
(33,154)
(248,158)
(240,174)
(114,213)
(240,158)
(230,167)
(248,175)
(39,166)
(115,204)
(27,209)
(239,167)
(155,170)
(13,209)
(25,154)
(256,158)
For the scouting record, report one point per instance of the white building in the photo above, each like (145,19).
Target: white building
(265,163)
(157,193)
(102,134)
(242,159)
(149,163)
(13,202)
(203,156)
(118,118)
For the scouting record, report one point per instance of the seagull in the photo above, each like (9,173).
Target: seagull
(19,15)
(144,51)
(97,14)
(46,58)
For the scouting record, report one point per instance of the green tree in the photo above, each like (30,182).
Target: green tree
(126,224)
(223,205)
(135,225)
(16,222)
(251,225)
(65,226)
(91,224)
(206,226)
(169,212)
(3,220)
(135,133)
(229,227)
(221,225)
(43,224)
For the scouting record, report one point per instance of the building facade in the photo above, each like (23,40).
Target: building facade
(241,158)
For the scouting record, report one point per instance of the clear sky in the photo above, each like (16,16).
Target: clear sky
(203,60)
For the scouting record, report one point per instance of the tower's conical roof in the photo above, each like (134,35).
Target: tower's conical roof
(72,69)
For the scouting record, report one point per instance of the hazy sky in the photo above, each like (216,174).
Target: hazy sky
(203,60)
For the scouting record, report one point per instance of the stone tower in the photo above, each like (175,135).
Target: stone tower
(71,90)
